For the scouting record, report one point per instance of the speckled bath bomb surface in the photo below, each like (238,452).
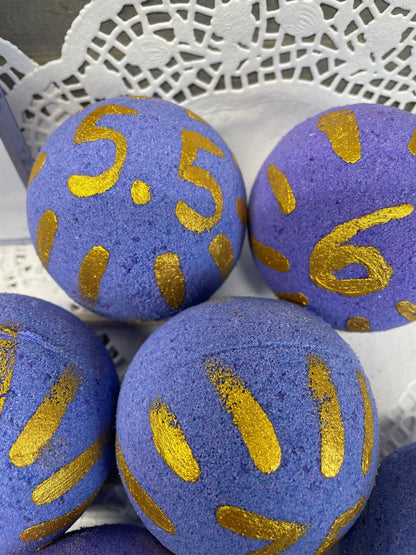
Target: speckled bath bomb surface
(245,423)
(136,207)
(387,525)
(59,391)
(332,218)
(110,539)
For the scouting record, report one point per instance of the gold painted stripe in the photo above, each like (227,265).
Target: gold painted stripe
(221,251)
(407,309)
(252,422)
(242,212)
(281,189)
(43,424)
(171,443)
(70,474)
(195,116)
(368,424)
(45,235)
(257,527)
(338,524)
(37,166)
(268,256)
(340,126)
(145,502)
(297,298)
(170,279)
(412,143)
(330,419)
(45,529)
(91,271)
(7,361)
(359,324)
(140,192)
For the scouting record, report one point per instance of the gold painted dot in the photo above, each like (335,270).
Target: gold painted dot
(268,256)
(170,279)
(45,235)
(140,192)
(242,211)
(221,251)
(407,309)
(91,272)
(340,126)
(37,166)
(296,298)
(281,189)
(195,116)
(358,324)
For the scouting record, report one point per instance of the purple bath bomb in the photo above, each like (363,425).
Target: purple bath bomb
(387,526)
(136,207)
(109,539)
(57,404)
(246,425)
(332,220)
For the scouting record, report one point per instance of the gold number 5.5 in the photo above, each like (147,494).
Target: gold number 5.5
(330,256)
(189,218)
(86,185)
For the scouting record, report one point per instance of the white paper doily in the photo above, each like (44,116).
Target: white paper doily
(253,69)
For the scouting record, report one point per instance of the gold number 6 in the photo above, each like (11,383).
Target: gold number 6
(86,185)
(189,218)
(330,256)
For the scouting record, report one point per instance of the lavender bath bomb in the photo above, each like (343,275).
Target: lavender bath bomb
(387,525)
(332,220)
(108,540)
(246,425)
(58,396)
(136,207)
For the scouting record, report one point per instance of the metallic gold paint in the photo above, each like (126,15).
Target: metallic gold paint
(368,424)
(339,523)
(8,349)
(257,527)
(340,126)
(241,209)
(358,324)
(44,422)
(330,418)
(281,189)
(297,298)
(330,255)
(268,256)
(252,422)
(86,185)
(171,443)
(69,475)
(195,116)
(188,217)
(45,235)
(45,529)
(147,505)
(170,279)
(221,251)
(37,166)
(140,192)
(407,309)
(412,143)
(91,272)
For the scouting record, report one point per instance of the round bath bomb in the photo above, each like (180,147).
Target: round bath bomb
(332,218)
(58,395)
(245,426)
(387,525)
(109,539)
(136,207)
